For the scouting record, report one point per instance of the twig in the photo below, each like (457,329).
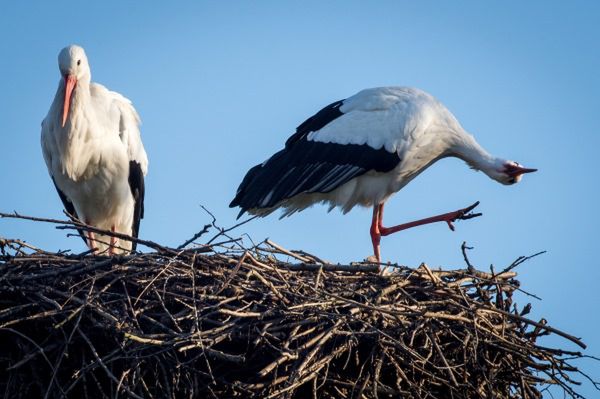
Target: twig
(464,248)
(75,225)
(195,236)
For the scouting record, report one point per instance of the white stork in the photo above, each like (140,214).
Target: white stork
(361,150)
(94,154)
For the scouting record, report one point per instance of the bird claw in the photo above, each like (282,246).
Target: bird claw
(463,214)
(469,208)
(470,216)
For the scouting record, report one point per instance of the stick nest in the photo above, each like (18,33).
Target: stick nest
(220,321)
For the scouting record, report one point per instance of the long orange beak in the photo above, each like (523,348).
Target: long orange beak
(70,82)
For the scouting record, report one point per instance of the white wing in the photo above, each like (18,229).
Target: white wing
(122,119)
(125,120)
(47,146)
(384,117)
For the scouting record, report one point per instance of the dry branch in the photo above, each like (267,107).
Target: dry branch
(227,321)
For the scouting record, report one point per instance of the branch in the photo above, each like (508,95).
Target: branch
(78,225)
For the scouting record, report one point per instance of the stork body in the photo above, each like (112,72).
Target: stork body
(360,151)
(93,150)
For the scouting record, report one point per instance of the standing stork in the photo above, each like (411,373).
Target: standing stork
(361,150)
(94,154)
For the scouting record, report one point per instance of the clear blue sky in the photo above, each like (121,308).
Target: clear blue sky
(221,85)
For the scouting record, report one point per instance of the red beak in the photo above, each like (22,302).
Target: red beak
(514,171)
(70,82)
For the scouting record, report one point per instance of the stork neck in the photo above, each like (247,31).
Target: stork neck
(469,150)
(83,87)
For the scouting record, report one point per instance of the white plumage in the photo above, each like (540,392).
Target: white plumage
(361,150)
(93,150)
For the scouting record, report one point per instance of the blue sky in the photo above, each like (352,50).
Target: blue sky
(221,85)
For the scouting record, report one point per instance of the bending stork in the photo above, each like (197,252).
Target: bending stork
(361,150)
(94,153)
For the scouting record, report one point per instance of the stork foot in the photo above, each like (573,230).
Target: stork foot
(461,214)
(371,259)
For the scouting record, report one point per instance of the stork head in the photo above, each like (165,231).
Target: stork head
(74,67)
(509,172)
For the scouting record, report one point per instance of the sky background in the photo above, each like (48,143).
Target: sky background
(221,85)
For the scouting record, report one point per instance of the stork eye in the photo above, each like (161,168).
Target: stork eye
(78,62)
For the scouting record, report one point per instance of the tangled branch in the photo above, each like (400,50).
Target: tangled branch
(223,320)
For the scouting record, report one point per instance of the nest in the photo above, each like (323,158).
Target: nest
(221,321)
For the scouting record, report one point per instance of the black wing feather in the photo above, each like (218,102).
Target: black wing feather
(305,166)
(316,122)
(136,184)
(69,208)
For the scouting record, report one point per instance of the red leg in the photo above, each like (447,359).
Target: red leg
(113,243)
(375,234)
(91,239)
(450,217)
